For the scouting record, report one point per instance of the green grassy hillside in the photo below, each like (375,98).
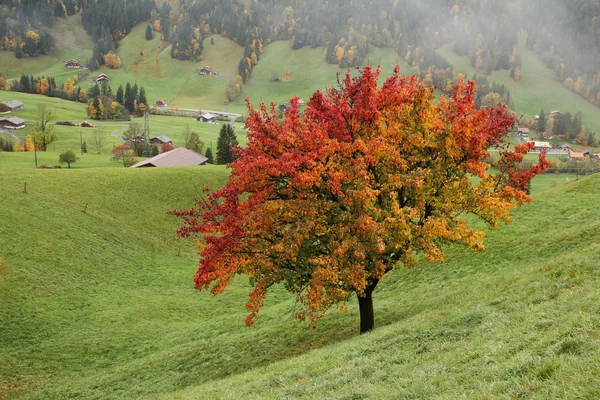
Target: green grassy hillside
(72,41)
(537,88)
(101,304)
(519,321)
(69,137)
(309,72)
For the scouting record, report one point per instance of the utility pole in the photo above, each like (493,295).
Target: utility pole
(34,150)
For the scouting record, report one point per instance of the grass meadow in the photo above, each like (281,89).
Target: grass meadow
(537,88)
(100,304)
(96,290)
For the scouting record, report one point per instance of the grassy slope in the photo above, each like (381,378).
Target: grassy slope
(174,80)
(518,321)
(172,127)
(309,72)
(71,42)
(537,88)
(100,304)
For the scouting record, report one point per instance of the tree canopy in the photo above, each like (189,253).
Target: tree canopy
(327,203)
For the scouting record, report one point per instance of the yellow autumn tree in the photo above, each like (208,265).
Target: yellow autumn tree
(29,143)
(18,147)
(112,61)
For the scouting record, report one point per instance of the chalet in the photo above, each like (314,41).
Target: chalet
(102,78)
(206,70)
(72,63)
(283,107)
(12,123)
(160,140)
(554,114)
(161,103)
(539,146)
(523,131)
(180,157)
(573,155)
(301,103)
(206,117)
(14,105)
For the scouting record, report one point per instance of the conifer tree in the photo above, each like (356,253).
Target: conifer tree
(227,141)
(149,34)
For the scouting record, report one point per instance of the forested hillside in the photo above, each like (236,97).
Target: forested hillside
(562,33)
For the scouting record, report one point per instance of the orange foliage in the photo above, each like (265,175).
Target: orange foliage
(330,201)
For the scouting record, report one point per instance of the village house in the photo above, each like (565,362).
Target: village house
(554,114)
(161,103)
(539,146)
(14,105)
(102,78)
(72,63)
(206,70)
(206,117)
(523,131)
(12,123)
(180,157)
(160,140)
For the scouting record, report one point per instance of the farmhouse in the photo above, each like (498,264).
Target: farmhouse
(12,123)
(206,117)
(523,131)
(160,140)
(180,157)
(72,63)
(102,78)
(554,114)
(539,146)
(206,70)
(14,105)
(161,103)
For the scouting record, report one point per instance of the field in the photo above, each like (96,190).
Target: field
(309,72)
(69,137)
(96,290)
(100,304)
(537,88)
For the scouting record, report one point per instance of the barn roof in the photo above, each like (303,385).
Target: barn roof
(163,139)
(13,103)
(180,157)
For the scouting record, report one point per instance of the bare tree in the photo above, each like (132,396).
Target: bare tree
(97,139)
(43,132)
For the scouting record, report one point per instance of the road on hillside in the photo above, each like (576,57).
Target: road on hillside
(11,135)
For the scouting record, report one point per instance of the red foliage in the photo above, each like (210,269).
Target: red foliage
(328,202)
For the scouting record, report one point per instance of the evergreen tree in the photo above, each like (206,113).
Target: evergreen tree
(129,98)
(120,98)
(149,34)
(227,141)
(142,96)
(209,155)
(541,122)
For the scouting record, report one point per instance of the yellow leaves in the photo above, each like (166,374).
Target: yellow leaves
(112,61)
(33,36)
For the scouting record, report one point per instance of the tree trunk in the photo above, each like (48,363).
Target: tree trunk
(365,305)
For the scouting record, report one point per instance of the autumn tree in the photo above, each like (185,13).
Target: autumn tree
(43,131)
(67,157)
(327,203)
(225,144)
(112,61)
(122,153)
